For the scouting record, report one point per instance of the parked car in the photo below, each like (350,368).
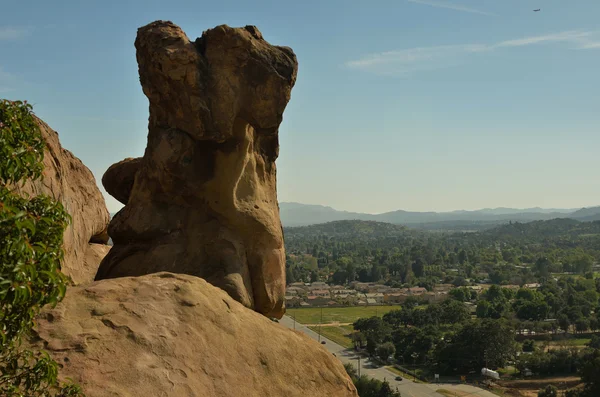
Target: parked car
(398,378)
(322,342)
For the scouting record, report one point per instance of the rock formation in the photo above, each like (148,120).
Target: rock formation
(176,335)
(203,201)
(118,179)
(68,180)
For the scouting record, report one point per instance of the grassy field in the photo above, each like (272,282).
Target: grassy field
(566,343)
(342,315)
(338,334)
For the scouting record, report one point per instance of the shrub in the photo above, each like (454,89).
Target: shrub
(31,233)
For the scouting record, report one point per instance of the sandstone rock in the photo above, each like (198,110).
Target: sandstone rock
(176,335)
(68,180)
(118,179)
(204,198)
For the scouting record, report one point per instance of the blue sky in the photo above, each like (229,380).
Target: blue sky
(403,104)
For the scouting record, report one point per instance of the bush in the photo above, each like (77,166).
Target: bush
(31,232)
(528,345)
(548,391)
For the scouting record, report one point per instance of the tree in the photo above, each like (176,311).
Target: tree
(418,268)
(528,345)
(479,343)
(542,266)
(460,294)
(594,343)
(548,391)
(563,322)
(289,275)
(31,233)
(582,325)
(462,257)
(358,340)
(385,350)
(589,371)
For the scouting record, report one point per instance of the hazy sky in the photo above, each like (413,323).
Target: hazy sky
(403,104)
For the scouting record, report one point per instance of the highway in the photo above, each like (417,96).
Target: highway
(407,387)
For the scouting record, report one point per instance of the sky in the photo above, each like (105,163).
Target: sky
(421,105)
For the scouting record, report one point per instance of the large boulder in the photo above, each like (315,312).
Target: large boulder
(176,335)
(203,199)
(67,180)
(119,177)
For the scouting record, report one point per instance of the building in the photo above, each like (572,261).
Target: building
(318,285)
(532,286)
(376,297)
(324,293)
(416,291)
(317,300)
(396,297)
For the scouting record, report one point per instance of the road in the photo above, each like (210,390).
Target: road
(407,387)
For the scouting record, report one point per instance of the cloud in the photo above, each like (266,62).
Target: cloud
(12,33)
(412,59)
(572,36)
(451,6)
(589,45)
(406,61)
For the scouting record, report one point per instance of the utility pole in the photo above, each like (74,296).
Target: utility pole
(294,320)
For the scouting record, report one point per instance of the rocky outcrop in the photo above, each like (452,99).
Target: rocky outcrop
(118,179)
(176,335)
(203,200)
(69,181)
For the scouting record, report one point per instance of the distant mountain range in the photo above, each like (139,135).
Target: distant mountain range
(296,214)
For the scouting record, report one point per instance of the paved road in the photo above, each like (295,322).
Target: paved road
(407,388)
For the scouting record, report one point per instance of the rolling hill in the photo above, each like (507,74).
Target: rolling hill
(296,214)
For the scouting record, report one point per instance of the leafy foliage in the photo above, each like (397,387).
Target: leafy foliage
(31,233)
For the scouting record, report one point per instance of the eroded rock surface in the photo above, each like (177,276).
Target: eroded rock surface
(204,201)
(118,179)
(176,335)
(66,179)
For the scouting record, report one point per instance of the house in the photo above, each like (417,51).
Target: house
(416,291)
(296,290)
(394,298)
(304,304)
(361,302)
(318,285)
(532,286)
(292,301)
(291,292)
(443,287)
(321,292)
(343,291)
(371,301)
(317,300)
(377,297)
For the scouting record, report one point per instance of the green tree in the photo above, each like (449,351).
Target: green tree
(385,350)
(528,345)
(418,268)
(31,233)
(589,371)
